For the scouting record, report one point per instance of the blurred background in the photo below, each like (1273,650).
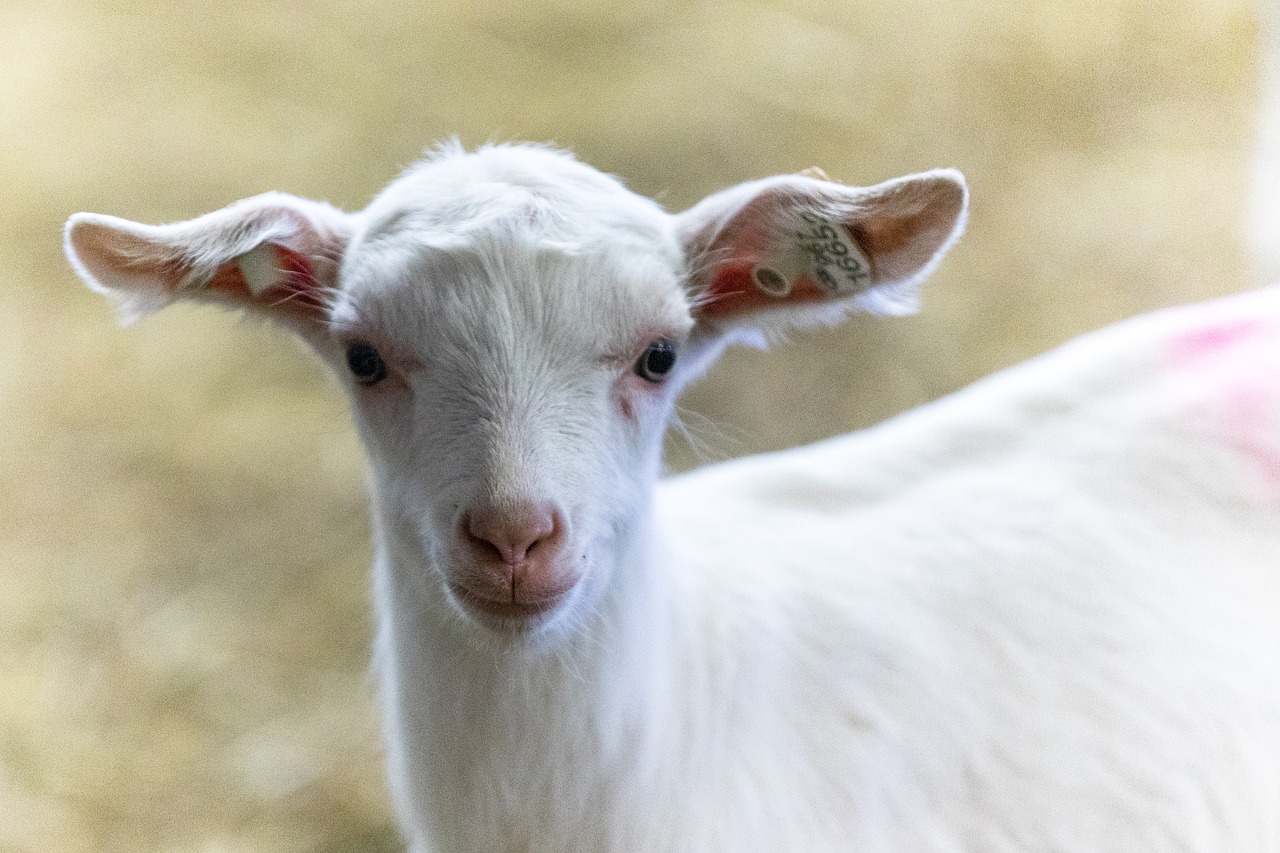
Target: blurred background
(184,622)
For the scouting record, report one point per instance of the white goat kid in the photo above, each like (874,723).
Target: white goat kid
(1038,616)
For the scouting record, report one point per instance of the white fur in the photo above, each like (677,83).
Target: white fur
(1040,615)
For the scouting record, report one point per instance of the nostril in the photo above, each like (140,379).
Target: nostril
(479,536)
(541,527)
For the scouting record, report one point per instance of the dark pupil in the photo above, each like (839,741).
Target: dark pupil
(366,364)
(659,358)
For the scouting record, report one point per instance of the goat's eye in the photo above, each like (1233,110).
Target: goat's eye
(366,364)
(658,359)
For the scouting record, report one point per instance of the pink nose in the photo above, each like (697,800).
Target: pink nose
(515,535)
(518,563)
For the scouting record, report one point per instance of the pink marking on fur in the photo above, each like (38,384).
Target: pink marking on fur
(1244,408)
(1197,344)
(1251,427)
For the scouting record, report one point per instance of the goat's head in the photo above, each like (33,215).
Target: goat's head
(512,327)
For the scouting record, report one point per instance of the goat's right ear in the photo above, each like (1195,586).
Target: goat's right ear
(797,249)
(274,253)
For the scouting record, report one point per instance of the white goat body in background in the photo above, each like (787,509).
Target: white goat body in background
(1039,615)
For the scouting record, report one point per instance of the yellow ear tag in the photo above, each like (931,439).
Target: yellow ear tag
(825,250)
(259,268)
(838,264)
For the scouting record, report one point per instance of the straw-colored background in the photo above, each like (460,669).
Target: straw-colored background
(183,545)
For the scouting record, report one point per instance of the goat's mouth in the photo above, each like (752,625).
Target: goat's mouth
(510,610)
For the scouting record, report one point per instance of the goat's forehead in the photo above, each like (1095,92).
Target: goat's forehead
(491,289)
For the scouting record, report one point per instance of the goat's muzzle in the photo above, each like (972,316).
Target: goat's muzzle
(514,559)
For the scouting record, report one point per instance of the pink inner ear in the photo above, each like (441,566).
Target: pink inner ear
(296,291)
(750,244)
(229,280)
(733,290)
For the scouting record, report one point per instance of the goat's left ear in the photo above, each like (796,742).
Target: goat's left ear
(797,249)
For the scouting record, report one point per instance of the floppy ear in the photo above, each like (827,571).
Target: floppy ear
(793,250)
(273,253)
